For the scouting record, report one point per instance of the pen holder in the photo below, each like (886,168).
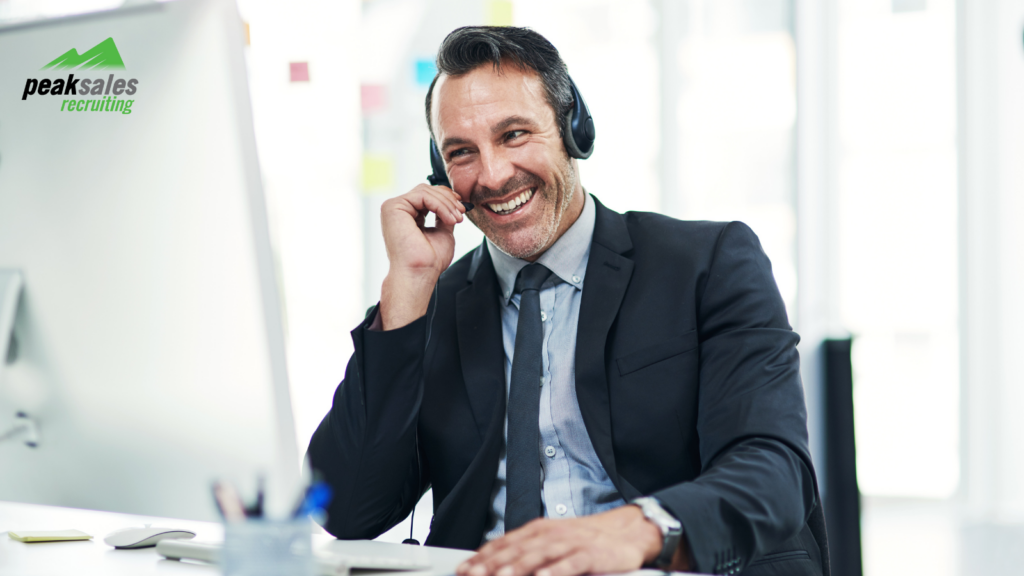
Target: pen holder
(268,548)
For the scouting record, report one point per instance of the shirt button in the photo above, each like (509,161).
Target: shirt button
(561,509)
(542,381)
(549,451)
(543,316)
(576,279)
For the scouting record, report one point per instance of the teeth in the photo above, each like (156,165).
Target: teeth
(513,203)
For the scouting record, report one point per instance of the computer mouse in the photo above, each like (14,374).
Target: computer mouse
(145,536)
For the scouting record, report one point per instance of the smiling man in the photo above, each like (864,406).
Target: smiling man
(587,391)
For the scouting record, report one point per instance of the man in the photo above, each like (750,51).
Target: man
(587,391)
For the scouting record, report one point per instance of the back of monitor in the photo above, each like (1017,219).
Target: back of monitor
(150,352)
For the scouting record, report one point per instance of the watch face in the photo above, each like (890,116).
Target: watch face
(667,521)
(655,513)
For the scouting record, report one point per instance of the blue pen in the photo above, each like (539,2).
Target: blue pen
(317,498)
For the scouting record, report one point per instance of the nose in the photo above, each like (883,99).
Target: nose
(495,169)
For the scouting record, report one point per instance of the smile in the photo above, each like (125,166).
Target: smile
(513,204)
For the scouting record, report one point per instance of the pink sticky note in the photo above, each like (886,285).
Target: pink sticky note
(299,71)
(374,97)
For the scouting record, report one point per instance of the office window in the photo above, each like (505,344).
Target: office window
(736,112)
(897,205)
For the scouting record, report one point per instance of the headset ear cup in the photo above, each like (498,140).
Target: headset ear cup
(579,133)
(439,176)
(567,137)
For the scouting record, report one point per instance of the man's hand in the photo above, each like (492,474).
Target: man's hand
(615,541)
(417,254)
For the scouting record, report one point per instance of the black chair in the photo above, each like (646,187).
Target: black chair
(842,496)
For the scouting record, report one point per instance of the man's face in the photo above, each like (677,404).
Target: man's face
(500,142)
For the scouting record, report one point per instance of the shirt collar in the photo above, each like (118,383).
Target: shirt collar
(567,257)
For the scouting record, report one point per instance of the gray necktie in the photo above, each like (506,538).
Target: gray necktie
(522,456)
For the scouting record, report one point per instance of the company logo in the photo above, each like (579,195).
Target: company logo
(102,55)
(108,94)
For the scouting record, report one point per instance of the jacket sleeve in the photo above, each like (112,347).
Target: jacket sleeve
(757,487)
(366,447)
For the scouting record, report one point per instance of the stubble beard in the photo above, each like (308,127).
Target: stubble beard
(524,241)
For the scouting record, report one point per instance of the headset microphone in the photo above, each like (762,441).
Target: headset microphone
(578,136)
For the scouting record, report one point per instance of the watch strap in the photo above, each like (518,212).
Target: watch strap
(669,545)
(670,527)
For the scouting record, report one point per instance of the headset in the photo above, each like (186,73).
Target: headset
(577,134)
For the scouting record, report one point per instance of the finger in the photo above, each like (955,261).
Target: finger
(490,564)
(431,201)
(450,191)
(525,531)
(491,556)
(486,550)
(439,227)
(466,206)
(572,565)
(439,204)
(521,556)
(532,529)
(463,569)
(534,558)
(478,558)
(450,199)
(489,550)
(418,202)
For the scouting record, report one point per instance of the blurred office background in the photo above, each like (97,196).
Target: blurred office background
(875,146)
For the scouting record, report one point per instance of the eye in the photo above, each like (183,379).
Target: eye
(456,153)
(512,135)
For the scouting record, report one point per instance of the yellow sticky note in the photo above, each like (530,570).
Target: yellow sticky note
(378,172)
(499,13)
(48,535)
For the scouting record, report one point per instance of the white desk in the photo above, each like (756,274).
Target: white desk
(93,557)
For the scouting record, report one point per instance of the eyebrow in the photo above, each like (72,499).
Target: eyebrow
(510,121)
(453,142)
(497,128)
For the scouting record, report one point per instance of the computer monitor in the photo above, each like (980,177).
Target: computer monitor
(148,344)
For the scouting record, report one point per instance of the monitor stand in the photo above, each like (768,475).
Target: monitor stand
(24,426)
(10,293)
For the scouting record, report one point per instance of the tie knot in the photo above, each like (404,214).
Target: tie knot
(532,277)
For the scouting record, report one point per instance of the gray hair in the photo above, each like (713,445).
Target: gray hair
(470,47)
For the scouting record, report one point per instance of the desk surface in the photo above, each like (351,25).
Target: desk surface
(93,557)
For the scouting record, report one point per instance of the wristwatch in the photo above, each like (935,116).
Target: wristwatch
(671,529)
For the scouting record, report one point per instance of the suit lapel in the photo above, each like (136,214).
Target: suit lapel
(608,276)
(459,521)
(481,350)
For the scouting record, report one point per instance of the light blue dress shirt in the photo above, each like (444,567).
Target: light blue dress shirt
(574,483)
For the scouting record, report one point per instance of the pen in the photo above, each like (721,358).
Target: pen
(256,510)
(228,502)
(317,498)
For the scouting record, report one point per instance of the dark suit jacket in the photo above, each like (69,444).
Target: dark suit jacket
(687,376)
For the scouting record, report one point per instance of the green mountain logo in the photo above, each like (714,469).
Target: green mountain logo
(102,55)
